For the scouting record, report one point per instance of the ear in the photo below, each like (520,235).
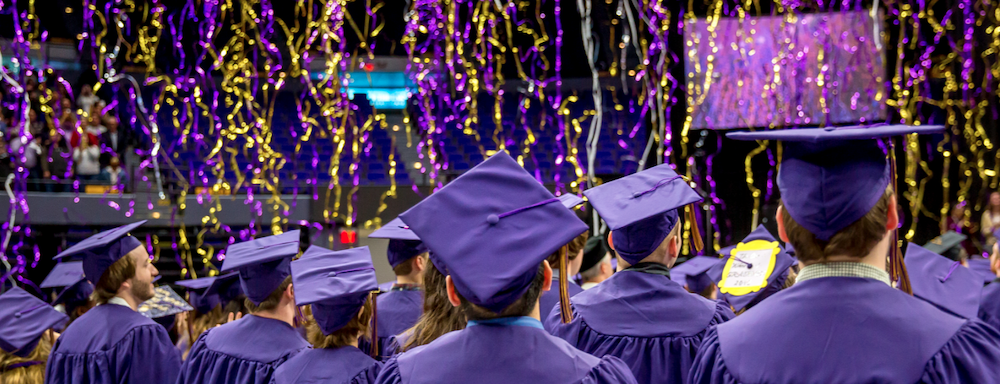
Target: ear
(606,268)
(290,292)
(779,216)
(673,247)
(892,223)
(547,282)
(419,263)
(452,294)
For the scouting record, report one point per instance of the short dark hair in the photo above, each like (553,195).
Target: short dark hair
(522,307)
(857,240)
(272,300)
(406,267)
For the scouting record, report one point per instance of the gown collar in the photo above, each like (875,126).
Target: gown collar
(651,268)
(521,321)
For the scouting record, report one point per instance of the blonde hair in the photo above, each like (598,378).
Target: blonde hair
(346,335)
(32,374)
(112,279)
(439,315)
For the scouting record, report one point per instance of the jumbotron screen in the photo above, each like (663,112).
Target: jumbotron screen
(806,69)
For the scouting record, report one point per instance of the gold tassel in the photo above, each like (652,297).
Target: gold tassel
(567,315)
(695,232)
(897,268)
(374,324)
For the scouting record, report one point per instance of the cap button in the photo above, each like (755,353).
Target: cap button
(493,219)
(635,195)
(17,315)
(331,274)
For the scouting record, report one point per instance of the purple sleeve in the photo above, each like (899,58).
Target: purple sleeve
(389,373)
(971,356)
(154,359)
(367,376)
(611,370)
(708,365)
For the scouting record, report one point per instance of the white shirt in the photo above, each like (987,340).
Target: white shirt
(119,301)
(588,285)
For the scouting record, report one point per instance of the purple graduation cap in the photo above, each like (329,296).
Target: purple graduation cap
(641,209)
(727,250)
(23,319)
(198,294)
(981,268)
(227,287)
(765,273)
(403,243)
(102,250)
(570,201)
(501,225)
(943,282)
(64,275)
(336,284)
(694,273)
(262,263)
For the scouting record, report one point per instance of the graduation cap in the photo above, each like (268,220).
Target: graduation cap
(943,282)
(386,286)
(23,319)
(831,177)
(501,225)
(641,209)
(165,302)
(756,269)
(593,252)
(694,273)
(198,294)
(727,250)
(102,250)
(262,263)
(75,295)
(227,287)
(570,200)
(64,275)
(335,283)
(945,244)
(981,270)
(403,243)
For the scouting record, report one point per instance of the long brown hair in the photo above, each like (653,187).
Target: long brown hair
(32,374)
(439,315)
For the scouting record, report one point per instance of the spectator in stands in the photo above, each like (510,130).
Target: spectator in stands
(113,142)
(114,173)
(87,98)
(94,126)
(5,160)
(991,220)
(4,121)
(36,125)
(55,166)
(65,108)
(87,159)
(29,159)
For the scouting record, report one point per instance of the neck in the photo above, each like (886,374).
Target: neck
(132,301)
(407,279)
(535,313)
(875,258)
(284,313)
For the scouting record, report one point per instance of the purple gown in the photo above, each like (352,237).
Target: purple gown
(346,365)
(848,330)
(398,310)
(989,306)
(492,353)
(244,351)
(647,320)
(113,344)
(550,299)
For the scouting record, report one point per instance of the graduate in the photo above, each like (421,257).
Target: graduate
(438,318)
(943,282)
(989,304)
(574,258)
(338,287)
(207,311)
(501,225)
(639,314)
(27,336)
(74,299)
(248,350)
(693,275)
(104,344)
(596,265)
(949,245)
(752,271)
(401,306)
(843,321)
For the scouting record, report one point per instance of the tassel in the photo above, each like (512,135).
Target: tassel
(190,323)
(567,315)
(374,325)
(897,268)
(695,232)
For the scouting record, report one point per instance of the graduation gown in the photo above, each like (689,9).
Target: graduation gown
(346,365)
(244,351)
(848,330)
(550,298)
(989,306)
(398,310)
(113,344)
(647,320)
(520,352)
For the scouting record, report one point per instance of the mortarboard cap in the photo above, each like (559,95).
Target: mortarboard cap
(694,273)
(227,286)
(336,284)
(756,269)
(981,269)
(593,252)
(501,225)
(165,302)
(944,243)
(641,209)
(727,250)
(831,177)
(198,294)
(403,243)
(570,200)
(64,275)
(102,250)
(23,319)
(262,263)
(75,295)
(943,282)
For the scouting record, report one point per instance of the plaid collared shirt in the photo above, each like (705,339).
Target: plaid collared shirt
(842,269)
